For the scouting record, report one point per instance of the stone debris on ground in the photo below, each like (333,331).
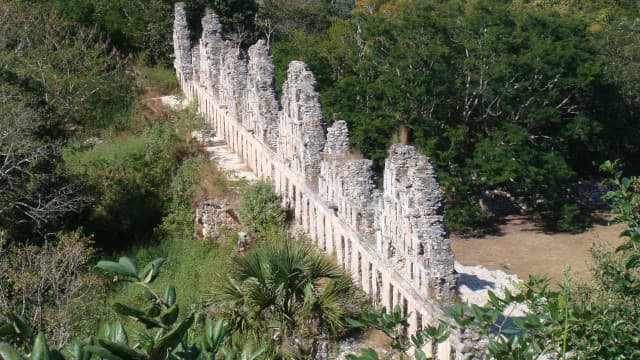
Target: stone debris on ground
(172,101)
(474,283)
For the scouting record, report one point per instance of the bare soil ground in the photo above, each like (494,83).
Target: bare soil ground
(522,248)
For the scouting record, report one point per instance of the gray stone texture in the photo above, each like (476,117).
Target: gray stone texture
(412,232)
(262,110)
(301,125)
(181,43)
(233,79)
(211,44)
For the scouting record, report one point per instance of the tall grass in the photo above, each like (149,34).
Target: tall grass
(159,79)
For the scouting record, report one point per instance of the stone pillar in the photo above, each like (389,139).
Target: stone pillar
(262,106)
(181,43)
(411,222)
(211,45)
(301,126)
(233,80)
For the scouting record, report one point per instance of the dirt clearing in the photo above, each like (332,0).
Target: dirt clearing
(521,248)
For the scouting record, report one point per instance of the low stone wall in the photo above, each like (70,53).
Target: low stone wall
(393,242)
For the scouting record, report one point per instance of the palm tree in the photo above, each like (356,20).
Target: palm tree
(286,289)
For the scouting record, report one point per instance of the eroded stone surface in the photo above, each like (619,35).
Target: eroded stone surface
(301,125)
(261,104)
(412,233)
(181,43)
(211,214)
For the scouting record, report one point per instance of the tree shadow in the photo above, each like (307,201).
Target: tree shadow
(475,283)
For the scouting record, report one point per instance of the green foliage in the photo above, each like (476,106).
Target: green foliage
(521,97)
(392,324)
(158,77)
(596,320)
(35,193)
(77,83)
(260,210)
(51,286)
(285,290)
(144,28)
(395,325)
(130,179)
(161,315)
(466,217)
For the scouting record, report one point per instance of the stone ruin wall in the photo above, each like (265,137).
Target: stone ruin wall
(392,241)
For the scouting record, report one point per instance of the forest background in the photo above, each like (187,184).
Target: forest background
(520,97)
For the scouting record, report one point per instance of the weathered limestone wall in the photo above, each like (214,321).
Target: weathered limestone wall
(181,43)
(261,107)
(209,49)
(301,128)
(412,233)
(392,242)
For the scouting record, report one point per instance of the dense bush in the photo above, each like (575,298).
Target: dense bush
(130,179)
(64,71)
(51,285)
(144,28)
(260,212)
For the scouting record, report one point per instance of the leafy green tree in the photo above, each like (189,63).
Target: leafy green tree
(130,180)
(500,95)
(64,71)
(596,320)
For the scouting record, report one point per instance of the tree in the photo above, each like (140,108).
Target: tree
(501,96)
(596,320)
(50,285)
(34,191)
(79,83)
(394,325)
(285,290)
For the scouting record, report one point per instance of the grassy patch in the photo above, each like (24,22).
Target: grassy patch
(157,79)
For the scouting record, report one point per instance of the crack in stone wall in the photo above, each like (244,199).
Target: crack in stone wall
(392,241)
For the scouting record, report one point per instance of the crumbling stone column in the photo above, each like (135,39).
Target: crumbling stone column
(233,79)
(181,43)
(348,184)
(261,104)
(411,223)
(211,44)
(301,126)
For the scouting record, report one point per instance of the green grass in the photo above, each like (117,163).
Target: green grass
(158,78)
(190,266)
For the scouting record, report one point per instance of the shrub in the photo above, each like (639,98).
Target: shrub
(130,179)
(260,210)
(465,217)
(51,286)
(286,292)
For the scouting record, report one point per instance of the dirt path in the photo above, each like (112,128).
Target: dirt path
(522,248)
